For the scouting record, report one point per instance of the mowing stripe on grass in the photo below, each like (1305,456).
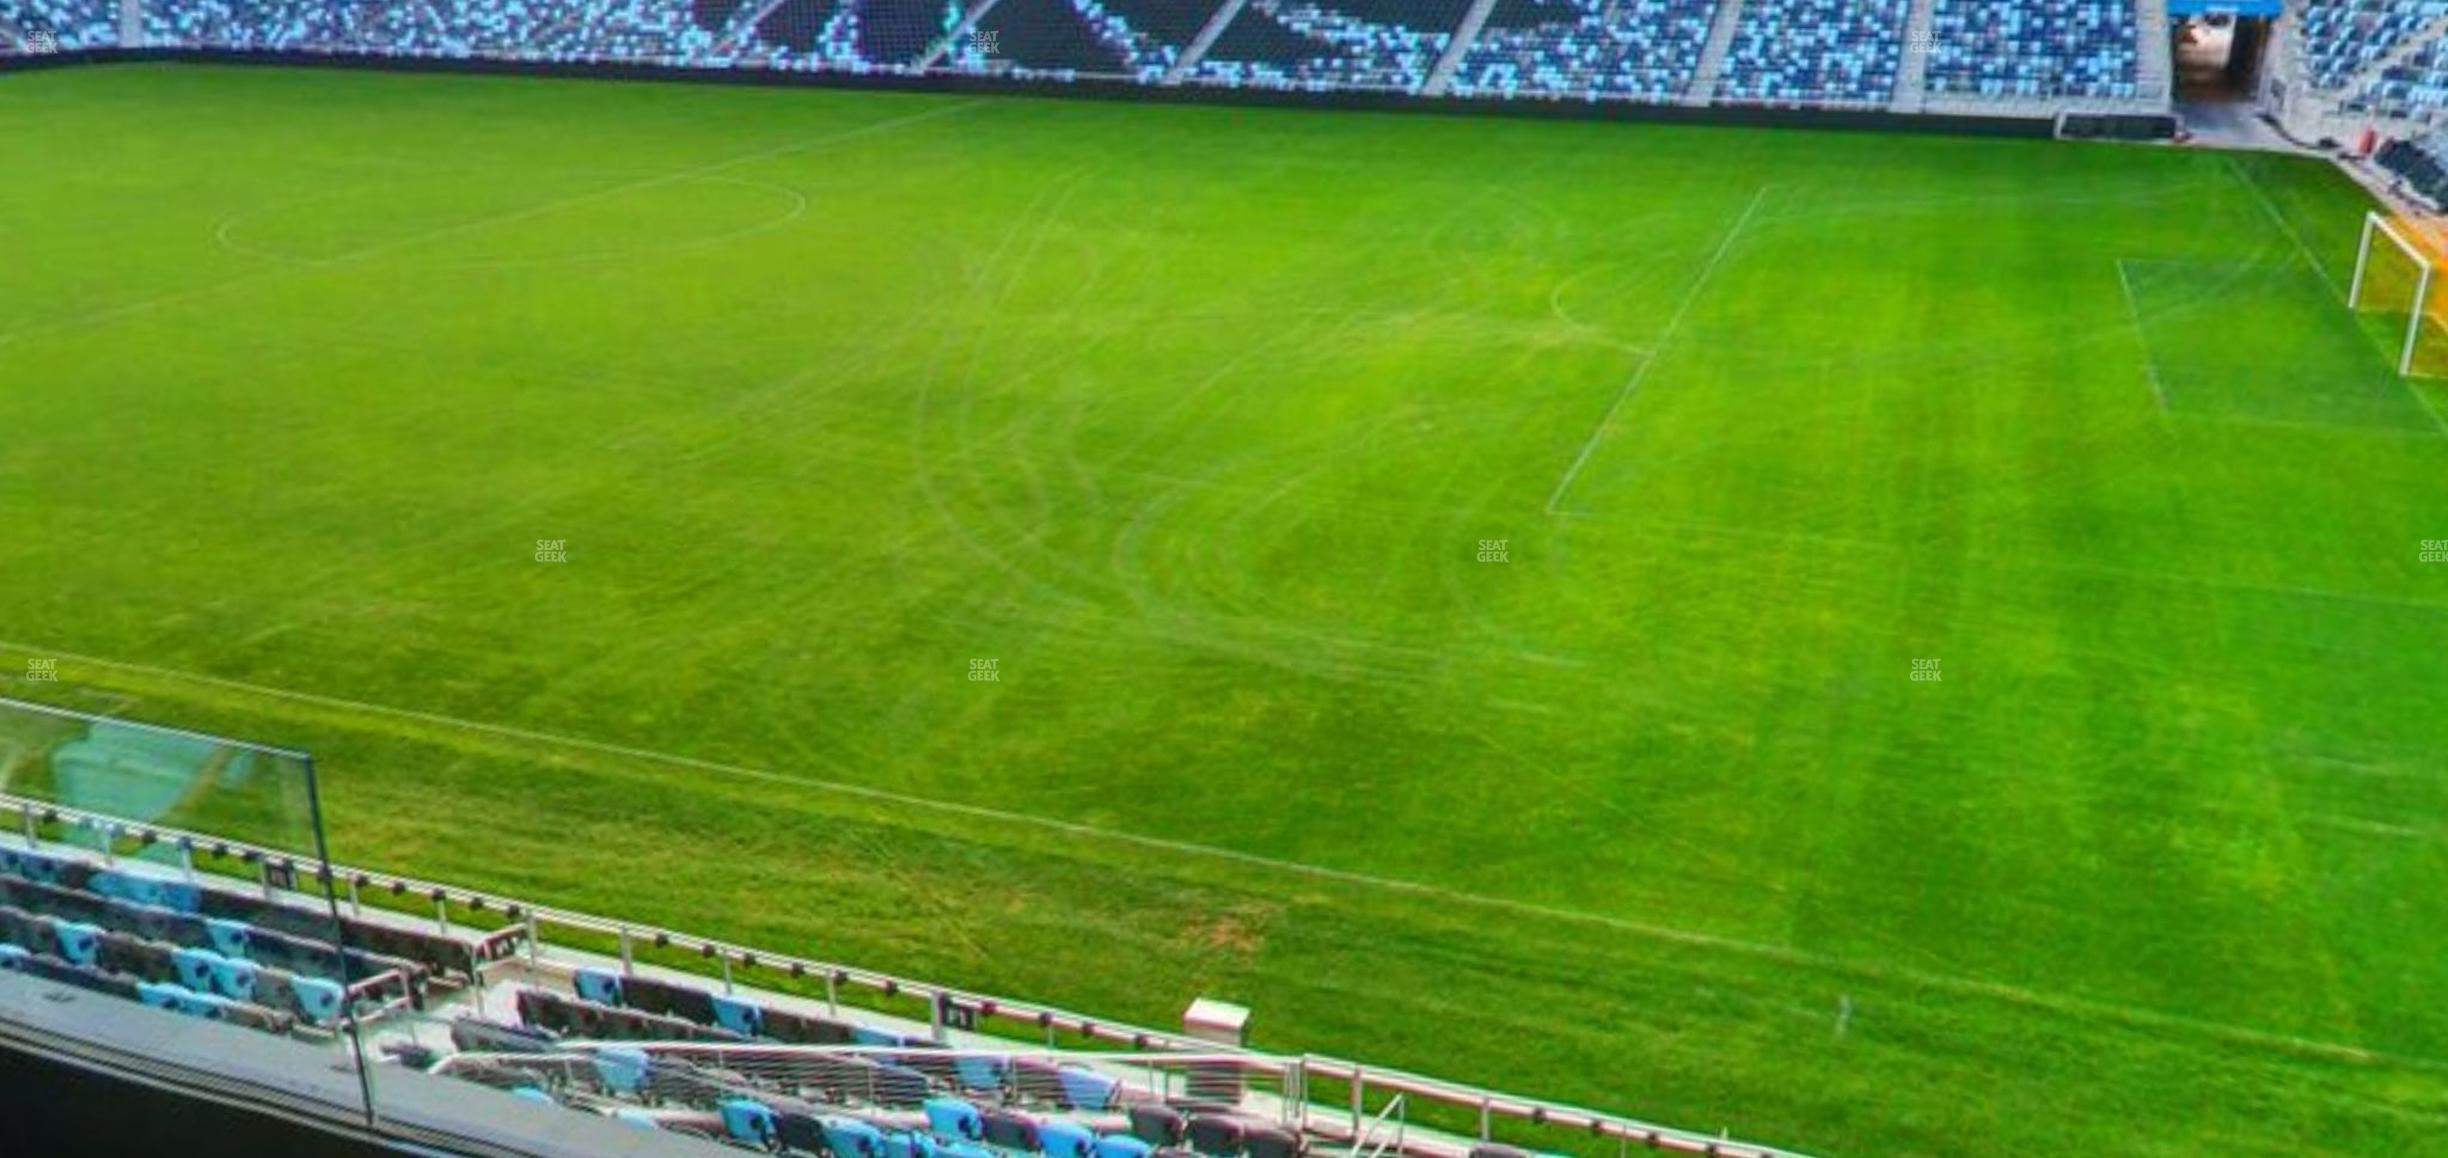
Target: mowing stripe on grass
(1962,986)
(2133,309)
(2284,226)
(111,313)
(1674,322)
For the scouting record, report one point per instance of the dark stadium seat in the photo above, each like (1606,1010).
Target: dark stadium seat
(1272,1142)
(1217,1136)
(1159,1125)
(1011,1129)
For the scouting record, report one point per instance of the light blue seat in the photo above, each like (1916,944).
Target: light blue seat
(79,943)
(598,986)
(622,1069)
(318,1000)
(955,1120)
(1122,1146)
(1087,1089)
(234,979)
(748,1120)
(229,938)
(195,967)
(740,1017)
(852,1138)
(1058,1138)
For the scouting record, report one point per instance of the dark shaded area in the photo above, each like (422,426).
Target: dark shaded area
(61,1110)
(1254,35)
(714,15)
(1418,15)
(899,31)
(1048,34)
(1532,13)
(797,24)
(1174,22)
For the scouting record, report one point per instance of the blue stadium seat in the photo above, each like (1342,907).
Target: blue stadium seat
(234,979)
(852,1138)
(1122,1146)
(230,938)
(980,1073)
(318,1000)
(533,1094)
(955,1120)
(1086,1089)
(598,986)
(632,1116)
(622,1069)
(195,967)
(1059,1138)
(738,1016)
(747,1120)
(79,943)
(13,955)
(910,1144)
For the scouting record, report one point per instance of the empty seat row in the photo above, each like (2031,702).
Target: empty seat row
(96,977)
(297,955)
(441,954)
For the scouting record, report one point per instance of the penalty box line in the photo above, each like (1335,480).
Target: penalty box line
(1632,385)
(1953,984)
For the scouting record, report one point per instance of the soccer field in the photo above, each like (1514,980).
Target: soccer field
(1454,585)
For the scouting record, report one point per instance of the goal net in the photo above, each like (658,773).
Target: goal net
(2395,293)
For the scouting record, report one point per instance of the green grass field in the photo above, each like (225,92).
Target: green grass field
(1194,421)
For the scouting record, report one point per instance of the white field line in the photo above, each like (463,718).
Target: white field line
(2271,208)
(2428,408)
(2150,363)
(1896,975)
(1632,385)
(695,172)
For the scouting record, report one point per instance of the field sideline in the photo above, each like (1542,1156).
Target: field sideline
(1203,425)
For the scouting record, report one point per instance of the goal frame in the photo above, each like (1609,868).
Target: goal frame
(2374,223)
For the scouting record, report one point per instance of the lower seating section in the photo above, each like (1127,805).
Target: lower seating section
(210,940)
(1798,52)
(1363,44)
(2033,48)
(2419,164)
(59,25)
(902,1099)
(1593,49)
(2341,39)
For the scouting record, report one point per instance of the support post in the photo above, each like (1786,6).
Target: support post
(2354,291)
(2422,295)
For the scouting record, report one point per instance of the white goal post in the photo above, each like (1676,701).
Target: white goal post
(2376,225)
